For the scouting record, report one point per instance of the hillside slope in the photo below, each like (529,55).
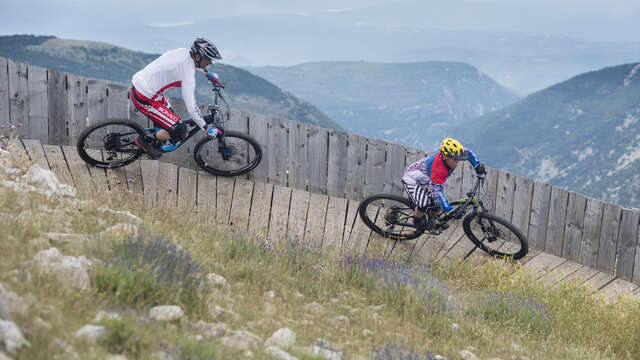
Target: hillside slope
(582,134)
(105,61)
(408,103)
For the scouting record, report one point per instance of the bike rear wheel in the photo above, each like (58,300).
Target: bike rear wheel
(495,235)
(390,216)
(232,155)
(110,144)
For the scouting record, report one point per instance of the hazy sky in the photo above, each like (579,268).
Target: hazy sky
(605,20)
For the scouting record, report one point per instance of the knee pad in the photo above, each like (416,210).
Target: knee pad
(178,131)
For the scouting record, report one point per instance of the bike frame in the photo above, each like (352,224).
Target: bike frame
(465,203)
(210,118)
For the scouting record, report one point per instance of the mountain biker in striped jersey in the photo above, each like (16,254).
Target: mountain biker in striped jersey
(175,68)
(424,180)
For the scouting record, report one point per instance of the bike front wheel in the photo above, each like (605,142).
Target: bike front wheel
(110,144)
(233,154)
(495,235)
(390,216)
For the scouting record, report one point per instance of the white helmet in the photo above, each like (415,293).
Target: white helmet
(205,49)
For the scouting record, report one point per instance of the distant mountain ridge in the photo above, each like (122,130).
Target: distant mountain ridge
(113,63)
(413,104)
(582,134)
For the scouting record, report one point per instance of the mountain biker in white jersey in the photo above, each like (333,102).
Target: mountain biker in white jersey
(175,68)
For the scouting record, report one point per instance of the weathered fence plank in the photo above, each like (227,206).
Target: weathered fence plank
(150,169)
(98,175)
(591,232)
(314,231)
(224,197)
(468,178)
(34,149)
(298,212)
(118,101)
(490,189)
(557,216)
(279,214)
(627,243)
(58,164)
(522,199)
(206,196)
(318,159)
(37,125)
(77,107)
(337,168)
(187,186)
(277,151)
(116,177)
(334,226)
(394,169)
(4,94)
(57,114)
(168,184)
(573,227)
(375,166)
(97,101)
(297,166)
(241,205)
(453,186)
(609,238)
(356,157)
(133,172)
(504,196)
(259,130)
(539,219)
(19,96)
(78,168)
(260,209)
(349,224)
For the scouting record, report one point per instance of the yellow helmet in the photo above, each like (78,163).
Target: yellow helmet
(453,149)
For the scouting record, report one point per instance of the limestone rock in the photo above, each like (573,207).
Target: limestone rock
(211,330)
(12,304)
(367,332)
(92,333)
(67,269)
(283,338)
(11,336)
(315,308)
(46,182)
(166,313)
(242,340)
(278,353)
(106,315)
(467,355)
(320,352)
(220,314)
(122,216)
(216,281)
(269,309)
(3,356)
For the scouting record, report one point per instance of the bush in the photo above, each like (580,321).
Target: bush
(512,310)
(123,338)
(147,272)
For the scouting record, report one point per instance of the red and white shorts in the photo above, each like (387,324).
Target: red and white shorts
(156,110)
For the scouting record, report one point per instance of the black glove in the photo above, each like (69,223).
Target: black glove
(480,170)
(458,213)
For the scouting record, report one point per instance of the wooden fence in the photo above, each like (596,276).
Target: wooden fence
(54,107)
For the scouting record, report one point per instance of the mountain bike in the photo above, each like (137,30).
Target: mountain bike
(230,154)
(392,217)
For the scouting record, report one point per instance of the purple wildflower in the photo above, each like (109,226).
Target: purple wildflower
(19,124)
(130,180)
(1,126)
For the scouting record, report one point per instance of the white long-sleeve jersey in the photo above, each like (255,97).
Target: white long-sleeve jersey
(175,68)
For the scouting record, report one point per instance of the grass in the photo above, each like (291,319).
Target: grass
(414,311)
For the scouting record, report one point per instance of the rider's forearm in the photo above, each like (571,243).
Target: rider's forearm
(438,192)
(473,158)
